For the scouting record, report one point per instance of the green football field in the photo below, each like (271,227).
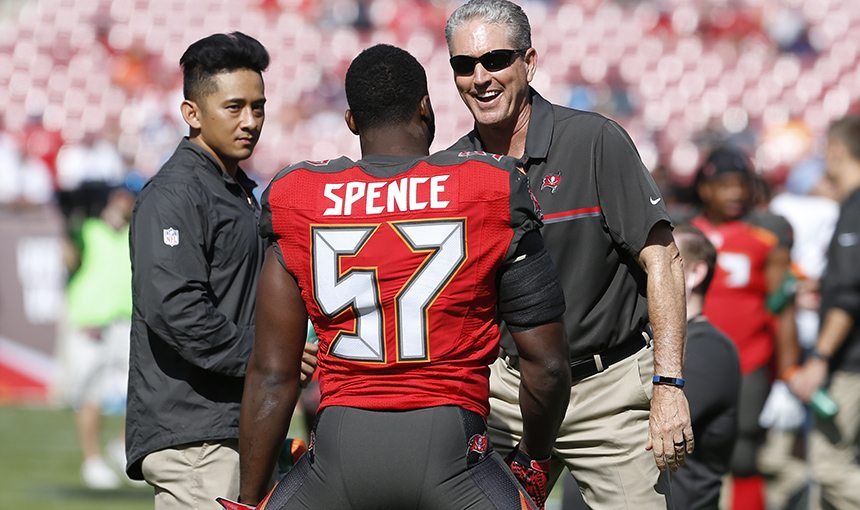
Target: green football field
(40,465)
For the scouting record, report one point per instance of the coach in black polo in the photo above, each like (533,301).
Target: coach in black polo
(608,232)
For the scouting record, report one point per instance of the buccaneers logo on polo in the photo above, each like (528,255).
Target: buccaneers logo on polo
(551,182)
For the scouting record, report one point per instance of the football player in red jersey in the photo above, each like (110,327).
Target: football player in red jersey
(752,262)
(404,263)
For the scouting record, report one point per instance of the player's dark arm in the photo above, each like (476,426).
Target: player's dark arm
(172,282)
(670,413)
(544,386)
(777,268)
(272,380)
(531,302)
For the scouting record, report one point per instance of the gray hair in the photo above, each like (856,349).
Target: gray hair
(497,12)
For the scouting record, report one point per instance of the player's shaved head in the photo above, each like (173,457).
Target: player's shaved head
(384,86)
(496,12)
(219,53)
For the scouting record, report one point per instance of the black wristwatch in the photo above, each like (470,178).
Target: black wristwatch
(815,353)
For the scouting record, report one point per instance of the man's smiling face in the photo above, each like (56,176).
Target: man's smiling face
(494,98)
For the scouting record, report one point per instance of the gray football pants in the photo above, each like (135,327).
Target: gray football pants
(420,459)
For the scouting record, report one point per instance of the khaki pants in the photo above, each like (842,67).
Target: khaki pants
(834,446)
(786,475)
(192,476)
(602,439)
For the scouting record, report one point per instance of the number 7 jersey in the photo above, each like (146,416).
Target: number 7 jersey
(397,261)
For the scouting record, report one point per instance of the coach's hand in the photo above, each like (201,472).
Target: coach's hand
(309,363)
(670,434)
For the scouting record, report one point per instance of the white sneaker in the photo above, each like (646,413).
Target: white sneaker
(116,454)
(98,475)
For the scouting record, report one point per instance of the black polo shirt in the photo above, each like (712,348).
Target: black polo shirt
(599,204)
(840,285)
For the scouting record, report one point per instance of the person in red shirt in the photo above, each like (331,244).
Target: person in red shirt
(752,262)
(404,263)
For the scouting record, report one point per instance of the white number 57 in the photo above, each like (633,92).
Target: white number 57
(359,288)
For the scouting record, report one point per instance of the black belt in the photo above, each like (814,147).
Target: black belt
(587,366)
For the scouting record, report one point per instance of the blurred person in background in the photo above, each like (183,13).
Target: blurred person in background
(92,159)
(834,362)
(25,178)
(780,459)
(810,205)
(609,233)
(10,160)
(94,348)
(196,257)
(42,143)
(752,264)
(713,373)
(807,203)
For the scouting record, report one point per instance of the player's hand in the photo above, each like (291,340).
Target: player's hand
(670,434)
(808,379)
(532,474)
(309,363)
(233,505)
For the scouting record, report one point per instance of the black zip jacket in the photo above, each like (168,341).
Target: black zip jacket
(196,257)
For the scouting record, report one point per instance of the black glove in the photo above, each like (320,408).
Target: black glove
(532,474)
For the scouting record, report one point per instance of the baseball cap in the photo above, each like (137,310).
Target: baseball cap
(722,160)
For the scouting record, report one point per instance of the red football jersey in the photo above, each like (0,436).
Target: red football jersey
(397,262)
(736,301)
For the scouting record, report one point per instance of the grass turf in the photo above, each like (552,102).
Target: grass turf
(40,464)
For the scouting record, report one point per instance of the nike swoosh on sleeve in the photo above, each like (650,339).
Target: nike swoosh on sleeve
(655,202)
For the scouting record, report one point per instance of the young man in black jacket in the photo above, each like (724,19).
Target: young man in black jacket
(196,257)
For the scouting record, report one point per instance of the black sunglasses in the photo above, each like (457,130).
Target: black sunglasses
(492,61)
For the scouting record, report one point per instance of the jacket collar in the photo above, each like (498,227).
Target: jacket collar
(215,168)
